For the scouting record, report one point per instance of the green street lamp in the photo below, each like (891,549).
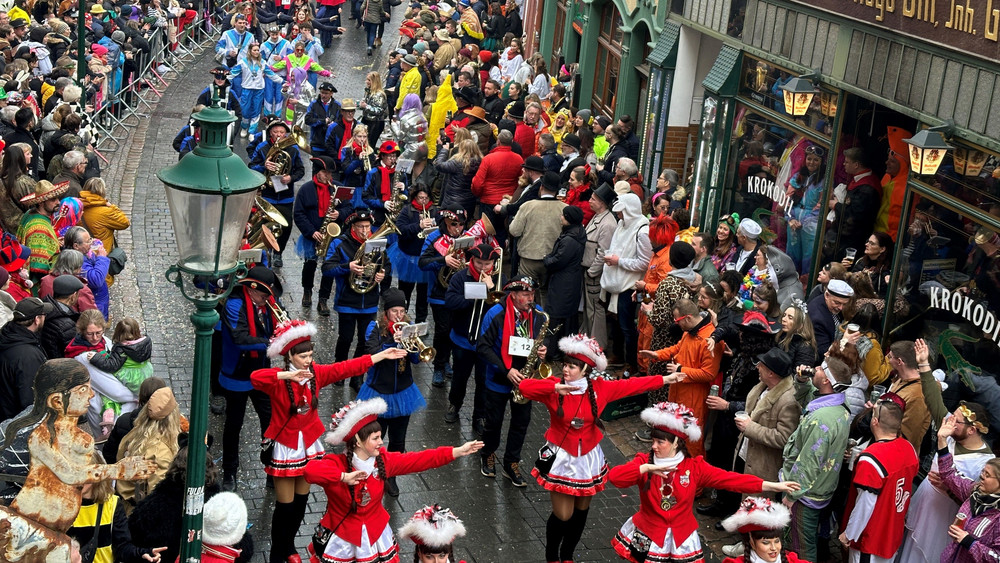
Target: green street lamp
(210,193)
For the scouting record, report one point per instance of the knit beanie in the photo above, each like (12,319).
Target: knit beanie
(681,254)
(573,215)
(224,520)
(393,297)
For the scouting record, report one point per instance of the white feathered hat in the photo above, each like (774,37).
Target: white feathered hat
(433,527)
(674,418)
(587,350)
(287,335)
(224,520)
(353,417)
(756,513)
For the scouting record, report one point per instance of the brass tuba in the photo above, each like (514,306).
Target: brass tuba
(264,217)
(277,155)
(373,262)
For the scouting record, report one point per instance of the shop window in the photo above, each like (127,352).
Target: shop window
(949,288)
(778,176)
(606,79)
(969,173)
(560,32)
(761,83)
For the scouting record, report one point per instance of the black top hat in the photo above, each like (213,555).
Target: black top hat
(551,181)
(534,163)
(777,360)
(516,110)
(263,279)
(606,194)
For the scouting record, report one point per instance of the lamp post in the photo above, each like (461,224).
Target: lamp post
(928,148)
(210,193)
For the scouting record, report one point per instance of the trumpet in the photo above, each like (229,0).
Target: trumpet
(425,214)
(492,298)
(280,315)
(414,343)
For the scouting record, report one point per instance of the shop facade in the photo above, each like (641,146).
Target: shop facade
(882,71)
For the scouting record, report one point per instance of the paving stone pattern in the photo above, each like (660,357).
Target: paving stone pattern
(503,523)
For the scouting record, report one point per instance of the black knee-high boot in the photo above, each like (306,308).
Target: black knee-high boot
(574,531)
(282,534)
(555,530)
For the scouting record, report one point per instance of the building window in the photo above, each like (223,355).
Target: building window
(609,59)
(560,31)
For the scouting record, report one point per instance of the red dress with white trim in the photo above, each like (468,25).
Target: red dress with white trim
(295,425)
(363,534)
(665,520)
(579,468)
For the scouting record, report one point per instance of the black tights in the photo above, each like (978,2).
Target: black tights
(562,536)
(285,522)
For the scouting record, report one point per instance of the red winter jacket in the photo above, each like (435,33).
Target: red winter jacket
(286,430)
(497,175)
(525,135)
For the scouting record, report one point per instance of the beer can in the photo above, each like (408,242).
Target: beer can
(713,391)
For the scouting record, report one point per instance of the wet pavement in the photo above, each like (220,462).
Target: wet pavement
(503,523)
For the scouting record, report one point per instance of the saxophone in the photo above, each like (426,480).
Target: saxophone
(533,368)
(330,230)
(373,262)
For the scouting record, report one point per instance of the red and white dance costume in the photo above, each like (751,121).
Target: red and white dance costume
(756,515)
(358,522)
(573,437)
(295,425)
(665,524)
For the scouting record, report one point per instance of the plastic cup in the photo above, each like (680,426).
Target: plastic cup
(850,253)
(742,414)
(877,391)
(853,328)
(960,519)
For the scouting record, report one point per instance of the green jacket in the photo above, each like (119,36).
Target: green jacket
(815,451)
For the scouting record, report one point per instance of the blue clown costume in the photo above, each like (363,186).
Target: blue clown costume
(272,52)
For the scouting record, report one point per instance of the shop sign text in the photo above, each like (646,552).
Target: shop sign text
(971,26)
(770,190)
(969,309)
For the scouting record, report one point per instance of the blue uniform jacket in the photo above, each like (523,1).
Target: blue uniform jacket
(338,257)
(489,343)
(239,348)
(431,261)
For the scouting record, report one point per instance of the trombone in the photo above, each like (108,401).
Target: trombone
(411,342)
(492,298)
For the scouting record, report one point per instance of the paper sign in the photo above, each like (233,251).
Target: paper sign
(278,185)
(373,245)
(519,347)
(475,290)
(463,242)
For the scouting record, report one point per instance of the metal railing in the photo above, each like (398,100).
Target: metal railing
(124,109)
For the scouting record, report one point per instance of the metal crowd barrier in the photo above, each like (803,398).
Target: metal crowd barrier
(125,108)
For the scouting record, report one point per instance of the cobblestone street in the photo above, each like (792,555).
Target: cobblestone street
(503,523)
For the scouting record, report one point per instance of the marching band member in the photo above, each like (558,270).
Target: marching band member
(465,318)
(312,208)
(340,131)
(358,157)
(505,341)
(664,528)
(419,215)
(379,183)
(762,523)
(355,527)
(247,325)
(321,113)
(295,426)
(434,530)
(280,193)
(573,475)
(355,311)
(435,255)
(274,49)
(392,382)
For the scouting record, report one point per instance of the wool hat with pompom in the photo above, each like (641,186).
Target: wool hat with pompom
(224,520)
